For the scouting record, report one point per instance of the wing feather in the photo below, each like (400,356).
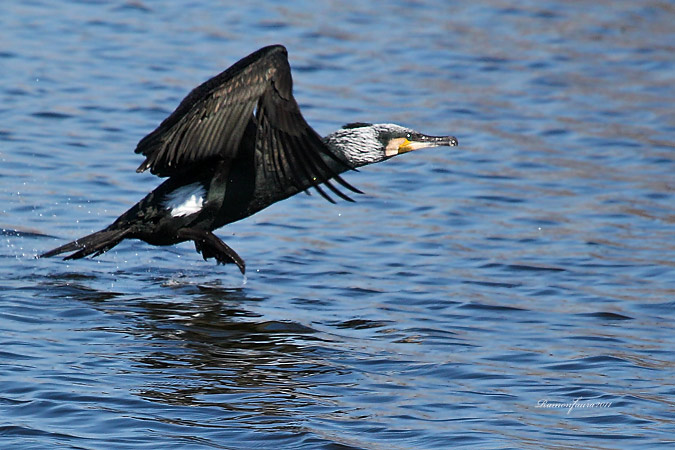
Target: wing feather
(210,123)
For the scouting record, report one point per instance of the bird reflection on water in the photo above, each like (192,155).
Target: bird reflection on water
(227,357)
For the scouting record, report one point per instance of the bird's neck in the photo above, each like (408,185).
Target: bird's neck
(335,165)
(356,146)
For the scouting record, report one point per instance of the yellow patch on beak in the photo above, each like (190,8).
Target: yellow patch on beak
(398,146)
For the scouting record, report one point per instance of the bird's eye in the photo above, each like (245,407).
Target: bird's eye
(408,136)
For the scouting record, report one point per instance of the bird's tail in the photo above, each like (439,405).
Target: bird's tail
(95,243)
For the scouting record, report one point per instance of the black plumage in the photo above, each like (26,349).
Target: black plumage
(236,144)
(209,125)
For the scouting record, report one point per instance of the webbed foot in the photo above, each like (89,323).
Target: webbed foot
(210,246)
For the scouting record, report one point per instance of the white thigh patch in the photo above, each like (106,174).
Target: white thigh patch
(185,200)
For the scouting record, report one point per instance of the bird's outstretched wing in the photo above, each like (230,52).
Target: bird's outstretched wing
(210,123)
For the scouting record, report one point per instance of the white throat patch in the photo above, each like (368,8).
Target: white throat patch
(185,200)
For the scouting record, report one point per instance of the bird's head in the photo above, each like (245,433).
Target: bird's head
(366,143)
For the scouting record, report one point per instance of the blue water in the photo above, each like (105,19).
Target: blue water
(463,297)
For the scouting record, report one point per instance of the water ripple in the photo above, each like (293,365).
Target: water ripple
(533,265)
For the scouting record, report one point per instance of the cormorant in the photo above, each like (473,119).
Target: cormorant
(236,144)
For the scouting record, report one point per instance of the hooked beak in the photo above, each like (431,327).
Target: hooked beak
(418,141)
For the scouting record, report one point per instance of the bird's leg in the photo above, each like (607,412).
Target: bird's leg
(210,246)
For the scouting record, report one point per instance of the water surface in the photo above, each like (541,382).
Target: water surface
(463,301)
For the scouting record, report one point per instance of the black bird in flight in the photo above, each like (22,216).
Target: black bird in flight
(235,145)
